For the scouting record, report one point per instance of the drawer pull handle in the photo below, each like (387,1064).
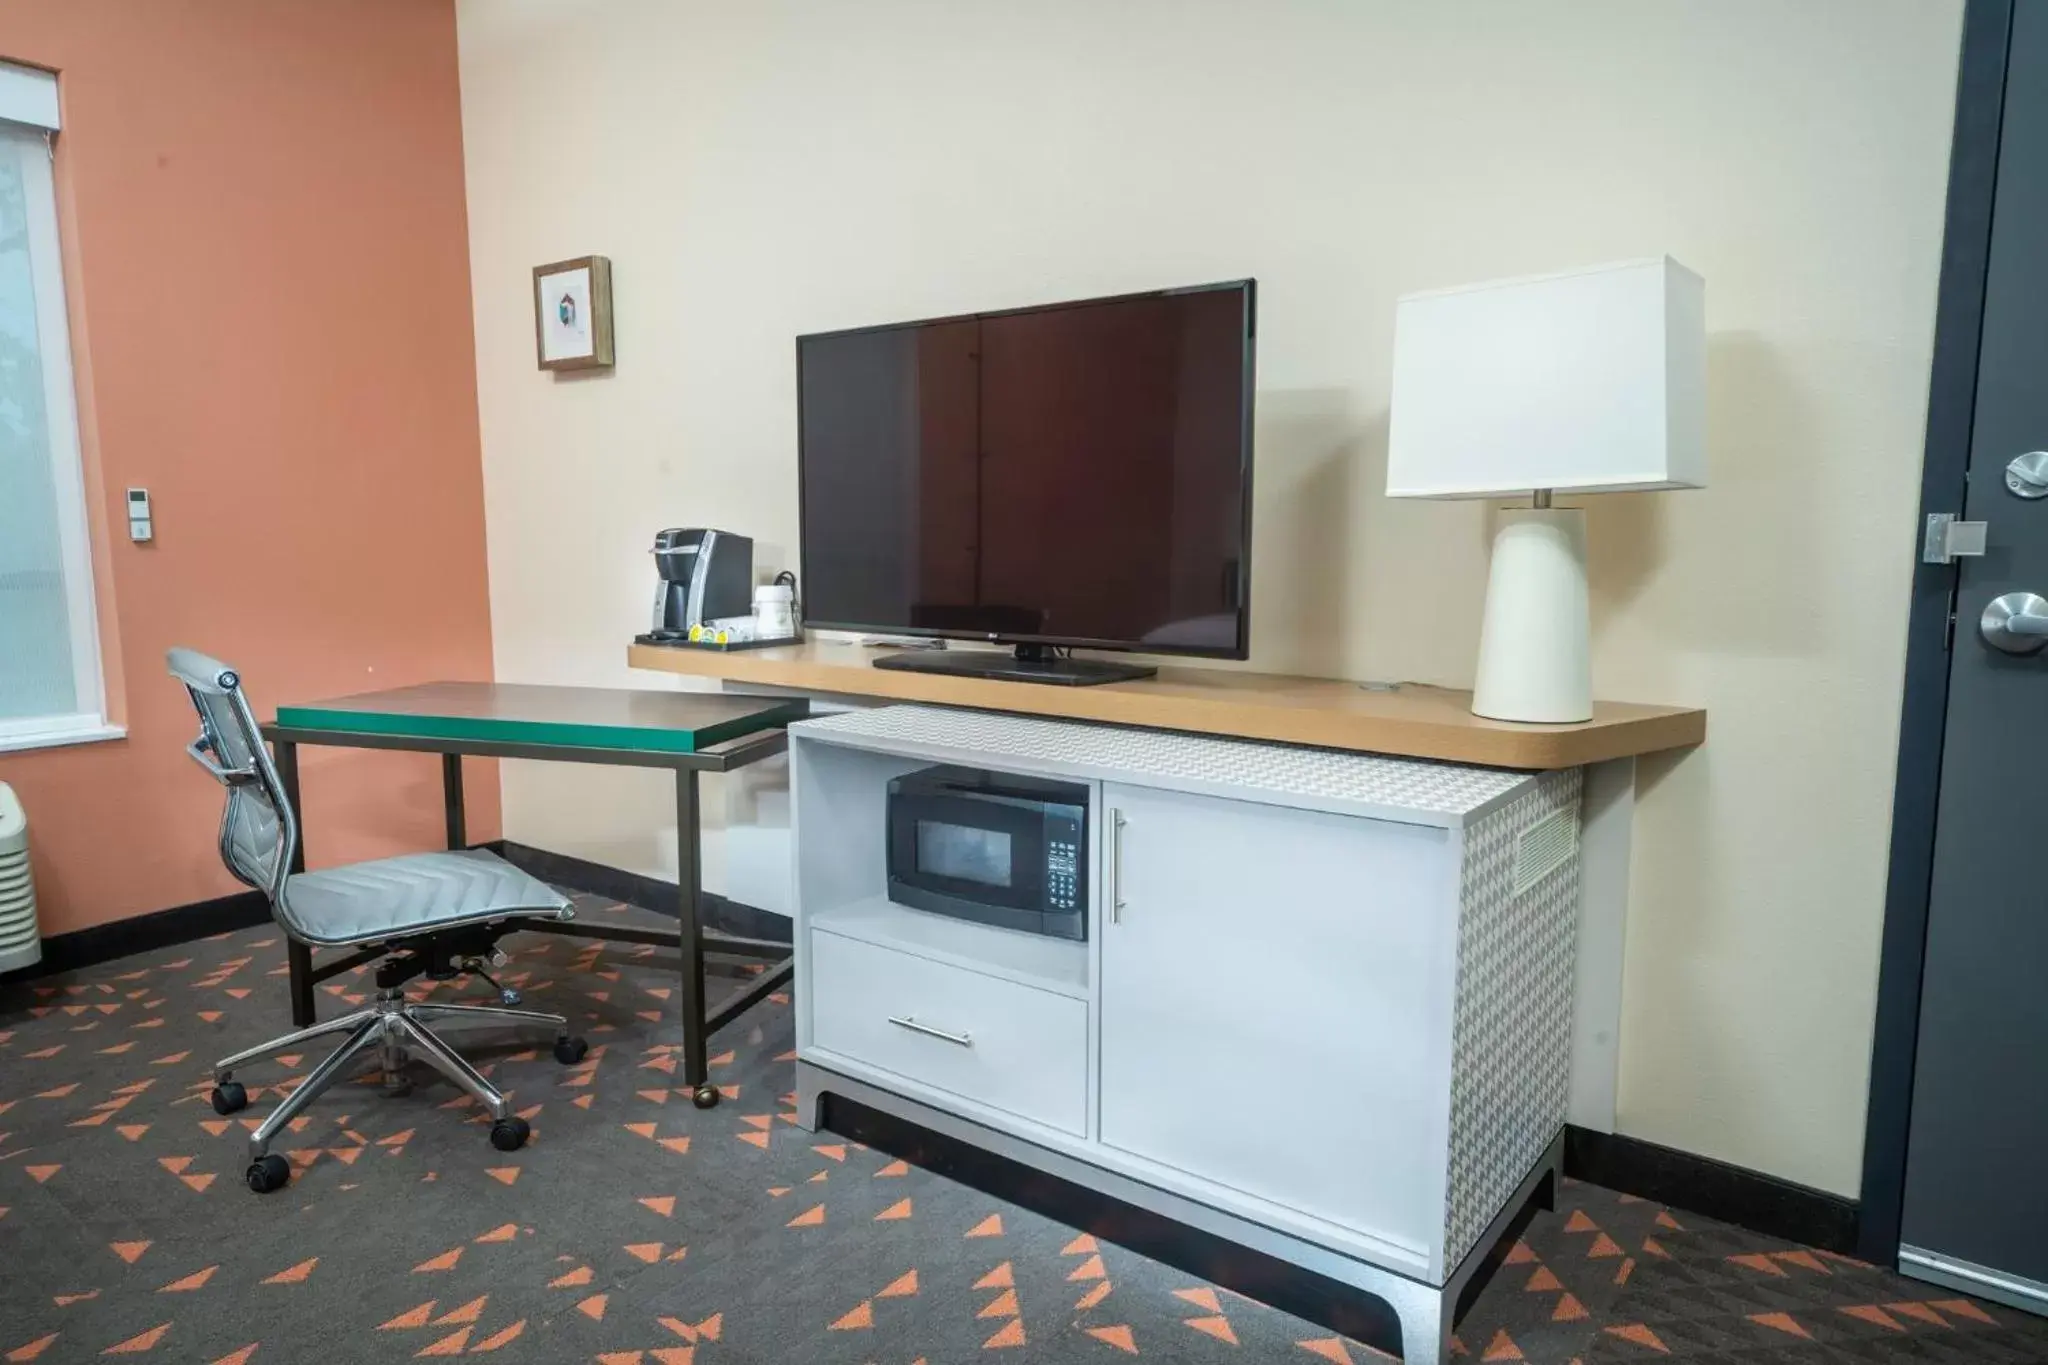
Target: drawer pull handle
(957,1039)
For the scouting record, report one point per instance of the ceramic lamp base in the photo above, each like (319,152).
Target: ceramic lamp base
(1535,659)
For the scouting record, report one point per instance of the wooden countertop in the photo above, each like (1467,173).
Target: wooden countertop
(1413,722)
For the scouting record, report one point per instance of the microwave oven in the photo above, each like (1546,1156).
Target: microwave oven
(991,847)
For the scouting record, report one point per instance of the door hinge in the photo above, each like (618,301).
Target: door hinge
(1948,539)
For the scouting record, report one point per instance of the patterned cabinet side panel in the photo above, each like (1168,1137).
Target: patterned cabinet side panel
(1511,1050)
(1183,762)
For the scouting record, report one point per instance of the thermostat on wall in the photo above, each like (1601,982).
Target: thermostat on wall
(140,529)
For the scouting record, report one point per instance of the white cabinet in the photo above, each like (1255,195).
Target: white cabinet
(1275,1004)
(1324,1008)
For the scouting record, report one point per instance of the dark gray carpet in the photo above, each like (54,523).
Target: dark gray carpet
(637,1230)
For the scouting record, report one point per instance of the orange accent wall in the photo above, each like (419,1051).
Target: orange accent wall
(268,271)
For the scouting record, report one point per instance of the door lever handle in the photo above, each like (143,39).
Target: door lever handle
(2015,623)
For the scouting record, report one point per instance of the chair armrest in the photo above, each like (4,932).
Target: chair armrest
(198,749)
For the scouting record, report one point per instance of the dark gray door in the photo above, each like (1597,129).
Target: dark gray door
(1976,1198)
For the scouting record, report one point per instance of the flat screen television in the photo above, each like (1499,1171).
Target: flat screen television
(1076,475)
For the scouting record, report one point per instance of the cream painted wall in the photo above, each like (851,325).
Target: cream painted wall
(759,170)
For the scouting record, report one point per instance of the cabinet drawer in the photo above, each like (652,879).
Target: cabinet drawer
(1005,1045)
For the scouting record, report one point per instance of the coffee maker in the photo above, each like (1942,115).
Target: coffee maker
(705,575)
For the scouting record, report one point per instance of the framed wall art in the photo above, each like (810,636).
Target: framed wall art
(572,313)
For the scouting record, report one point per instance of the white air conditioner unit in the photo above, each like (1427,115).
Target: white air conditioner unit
(20,943)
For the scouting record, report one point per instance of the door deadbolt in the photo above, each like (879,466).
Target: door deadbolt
(2026,476)
(2016,623)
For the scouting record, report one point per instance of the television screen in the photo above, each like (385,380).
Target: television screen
(1078,474)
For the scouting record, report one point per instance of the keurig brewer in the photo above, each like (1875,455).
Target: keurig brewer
(704,575)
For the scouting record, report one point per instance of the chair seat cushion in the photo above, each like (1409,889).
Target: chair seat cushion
(397,897)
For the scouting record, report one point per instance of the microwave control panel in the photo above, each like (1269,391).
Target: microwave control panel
(1062,861)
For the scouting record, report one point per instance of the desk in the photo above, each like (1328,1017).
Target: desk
(1413,722)
(686,733)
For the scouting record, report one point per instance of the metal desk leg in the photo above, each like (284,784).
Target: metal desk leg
(285,756)
(689,874)
(451,800)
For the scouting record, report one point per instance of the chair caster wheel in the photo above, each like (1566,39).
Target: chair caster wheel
(569,1051)
(509,1135)
(269,1173)
(230,1097)
(704,1096)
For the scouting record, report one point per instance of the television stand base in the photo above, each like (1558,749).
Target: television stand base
(1031,663)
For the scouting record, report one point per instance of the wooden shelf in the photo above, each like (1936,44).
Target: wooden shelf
(1413,722)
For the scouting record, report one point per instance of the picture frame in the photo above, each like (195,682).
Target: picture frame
(572,313)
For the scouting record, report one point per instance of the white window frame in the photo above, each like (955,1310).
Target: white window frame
(28,103)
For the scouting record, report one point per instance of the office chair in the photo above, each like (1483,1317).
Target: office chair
(435,914)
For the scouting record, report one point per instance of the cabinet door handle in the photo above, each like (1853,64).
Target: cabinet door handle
(907,1021)
(1116,867)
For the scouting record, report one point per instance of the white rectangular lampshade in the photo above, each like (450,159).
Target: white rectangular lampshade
(1588,381)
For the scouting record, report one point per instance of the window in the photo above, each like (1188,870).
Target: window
(51,690)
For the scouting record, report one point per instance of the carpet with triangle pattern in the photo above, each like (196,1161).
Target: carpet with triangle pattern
(635,1229)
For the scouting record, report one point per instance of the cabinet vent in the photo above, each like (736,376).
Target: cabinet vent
(1544,847)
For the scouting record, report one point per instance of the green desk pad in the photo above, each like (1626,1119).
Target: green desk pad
(564,717)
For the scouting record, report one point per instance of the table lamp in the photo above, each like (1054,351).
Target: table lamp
(1590,381)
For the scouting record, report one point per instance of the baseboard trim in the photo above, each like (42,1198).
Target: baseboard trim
(145,933)
(1734,1194)
(647,893)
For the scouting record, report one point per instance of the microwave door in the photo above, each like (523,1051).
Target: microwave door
(976,860)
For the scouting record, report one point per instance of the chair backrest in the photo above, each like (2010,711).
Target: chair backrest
(258,831)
